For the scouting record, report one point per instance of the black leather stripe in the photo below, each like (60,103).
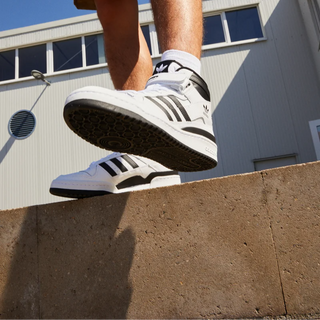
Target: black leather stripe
(119,164)
(181,107)
(108,169)
(138,180)
(201,86)
(201,133)
(161,107)
(168,104)
(130,161)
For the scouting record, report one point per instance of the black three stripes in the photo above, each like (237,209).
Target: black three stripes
(135,180)
(118,164)
(172,104)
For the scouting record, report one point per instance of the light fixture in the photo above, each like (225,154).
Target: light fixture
(39,76)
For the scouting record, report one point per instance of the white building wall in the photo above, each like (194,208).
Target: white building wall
(264,94)
(28,166)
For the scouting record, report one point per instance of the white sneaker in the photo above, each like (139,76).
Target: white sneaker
(169,122)
(115,173)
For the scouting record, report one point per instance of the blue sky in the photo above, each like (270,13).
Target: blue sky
(21,13)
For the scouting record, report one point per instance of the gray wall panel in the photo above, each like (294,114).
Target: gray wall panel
(29,166)
(269,105)
(263,95)
(313,36)
(299,73)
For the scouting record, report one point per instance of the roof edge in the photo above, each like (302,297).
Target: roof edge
(58,23)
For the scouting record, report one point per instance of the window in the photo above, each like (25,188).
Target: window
(32,58)
(244,24)
(57,56)
(213,30)
(67,54)
(146,33)
(232,26)
(94,50)
(7,59)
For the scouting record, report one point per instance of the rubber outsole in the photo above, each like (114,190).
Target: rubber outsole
(112,128)
(76,194)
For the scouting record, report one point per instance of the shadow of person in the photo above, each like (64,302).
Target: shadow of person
(71,260)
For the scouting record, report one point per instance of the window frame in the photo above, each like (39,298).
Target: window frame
(14,61)
(225,26)
(155,50)
(224,30)
(50,59)
(18,59)
(50,55)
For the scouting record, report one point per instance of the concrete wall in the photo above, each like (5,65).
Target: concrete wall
(245,246)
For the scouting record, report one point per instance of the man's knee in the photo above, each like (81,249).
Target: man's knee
(110,10)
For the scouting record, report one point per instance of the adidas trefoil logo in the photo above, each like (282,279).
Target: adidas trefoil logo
(161,68)
(206,109)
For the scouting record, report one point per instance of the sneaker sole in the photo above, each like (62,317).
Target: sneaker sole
(135,183)
(77,194)
(101,123)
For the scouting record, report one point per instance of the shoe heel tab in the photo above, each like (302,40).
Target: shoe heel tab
(199,84)
(165,78)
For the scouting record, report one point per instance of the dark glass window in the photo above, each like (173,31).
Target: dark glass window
(94,49)
(67,54)
(244,24)
(32,58)
(146,33)
(213,30)
(7,65)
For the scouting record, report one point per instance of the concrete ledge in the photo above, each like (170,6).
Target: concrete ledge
(245,246)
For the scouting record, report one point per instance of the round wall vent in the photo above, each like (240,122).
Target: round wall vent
(22,124)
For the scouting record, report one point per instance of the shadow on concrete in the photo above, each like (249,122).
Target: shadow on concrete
(71,261)
(19,270)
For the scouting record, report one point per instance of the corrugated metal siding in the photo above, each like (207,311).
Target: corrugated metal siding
(263,95)
(55,33)
(298,73)
(311,31)
(219,5)
(145,14)
(30,165)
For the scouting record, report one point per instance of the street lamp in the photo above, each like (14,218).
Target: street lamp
(39,76)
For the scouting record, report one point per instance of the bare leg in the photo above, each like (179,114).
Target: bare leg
(179,25)
(161,123)
(126,50)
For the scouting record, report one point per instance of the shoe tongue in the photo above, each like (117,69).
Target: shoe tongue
(168,66)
